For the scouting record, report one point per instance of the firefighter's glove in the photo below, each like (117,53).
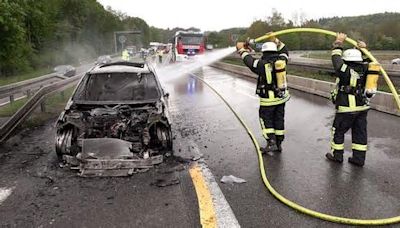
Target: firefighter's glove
(361,44)
(340,37)
(241,47)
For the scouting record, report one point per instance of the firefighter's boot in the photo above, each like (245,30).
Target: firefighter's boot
(271,146)
(279,141)
(358,158)
(337,156)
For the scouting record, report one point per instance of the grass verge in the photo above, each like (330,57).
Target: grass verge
(5,80)
(54,105)
(11,108)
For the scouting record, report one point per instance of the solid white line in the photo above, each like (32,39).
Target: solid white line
(223,211)
(8,102)
(5,193)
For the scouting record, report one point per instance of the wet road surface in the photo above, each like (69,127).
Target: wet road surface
(44,195)
(301,172)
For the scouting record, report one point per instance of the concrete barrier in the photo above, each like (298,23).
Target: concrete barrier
(383,101)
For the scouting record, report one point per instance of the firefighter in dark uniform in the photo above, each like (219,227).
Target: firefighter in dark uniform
(356,84)
(271,88)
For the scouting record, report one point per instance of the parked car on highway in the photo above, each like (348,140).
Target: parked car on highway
(116,122)
(65,70)
(396,61)
(104,59)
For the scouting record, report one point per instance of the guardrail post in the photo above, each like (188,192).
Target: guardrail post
(28,93)
(11,98)
(43,106)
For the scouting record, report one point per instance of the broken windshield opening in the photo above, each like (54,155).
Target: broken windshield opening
(118,87)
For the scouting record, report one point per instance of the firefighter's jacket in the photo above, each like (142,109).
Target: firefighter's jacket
(265,68)
(349,94)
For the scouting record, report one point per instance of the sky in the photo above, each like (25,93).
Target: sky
(214,15)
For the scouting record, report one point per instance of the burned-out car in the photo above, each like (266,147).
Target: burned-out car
(116,122)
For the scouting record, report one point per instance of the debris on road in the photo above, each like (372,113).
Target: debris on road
(167,181)
(232,179)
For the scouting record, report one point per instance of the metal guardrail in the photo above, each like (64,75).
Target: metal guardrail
(326,66)
(27,86)
(23,113)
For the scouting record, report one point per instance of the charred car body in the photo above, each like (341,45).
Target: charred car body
(116,122)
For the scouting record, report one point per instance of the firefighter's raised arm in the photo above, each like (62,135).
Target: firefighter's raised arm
(337,51)
(244,52)
(361,45)
(282,49)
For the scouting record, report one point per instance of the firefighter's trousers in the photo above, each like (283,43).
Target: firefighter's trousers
(357,122)
(272,120)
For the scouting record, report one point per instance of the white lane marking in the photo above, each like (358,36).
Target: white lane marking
(8,102)
(223,211)
(5,193)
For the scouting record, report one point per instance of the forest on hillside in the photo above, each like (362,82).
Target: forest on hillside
(380,31)
(43,33)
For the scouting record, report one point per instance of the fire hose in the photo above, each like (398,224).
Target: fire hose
(349,40)
(313,213)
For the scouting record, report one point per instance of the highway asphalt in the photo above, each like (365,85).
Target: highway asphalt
(43,195)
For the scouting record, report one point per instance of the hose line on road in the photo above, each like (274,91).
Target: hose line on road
(349,40)
(316,214)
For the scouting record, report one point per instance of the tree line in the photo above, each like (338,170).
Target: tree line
(380,31)
(45,33)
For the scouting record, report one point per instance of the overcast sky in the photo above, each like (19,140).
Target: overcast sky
(221,14)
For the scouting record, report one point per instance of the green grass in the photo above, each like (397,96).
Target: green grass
(54,105)
(10,109)
(320,75)
(381,56)
(5,80)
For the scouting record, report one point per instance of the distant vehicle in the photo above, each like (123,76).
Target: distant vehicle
(116,122)
(187,44)
(396,61)
(104,59)
(209,47)
(65,70)
(132,50)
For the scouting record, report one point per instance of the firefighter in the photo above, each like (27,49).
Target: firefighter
(125,55)
(271,88)
(356,84)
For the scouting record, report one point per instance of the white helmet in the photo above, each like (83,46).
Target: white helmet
(352,55)
(269,46)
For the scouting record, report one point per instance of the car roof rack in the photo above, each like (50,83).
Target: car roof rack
(132,64)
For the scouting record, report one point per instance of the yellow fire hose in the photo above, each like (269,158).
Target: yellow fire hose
(349,40)
(316,214)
